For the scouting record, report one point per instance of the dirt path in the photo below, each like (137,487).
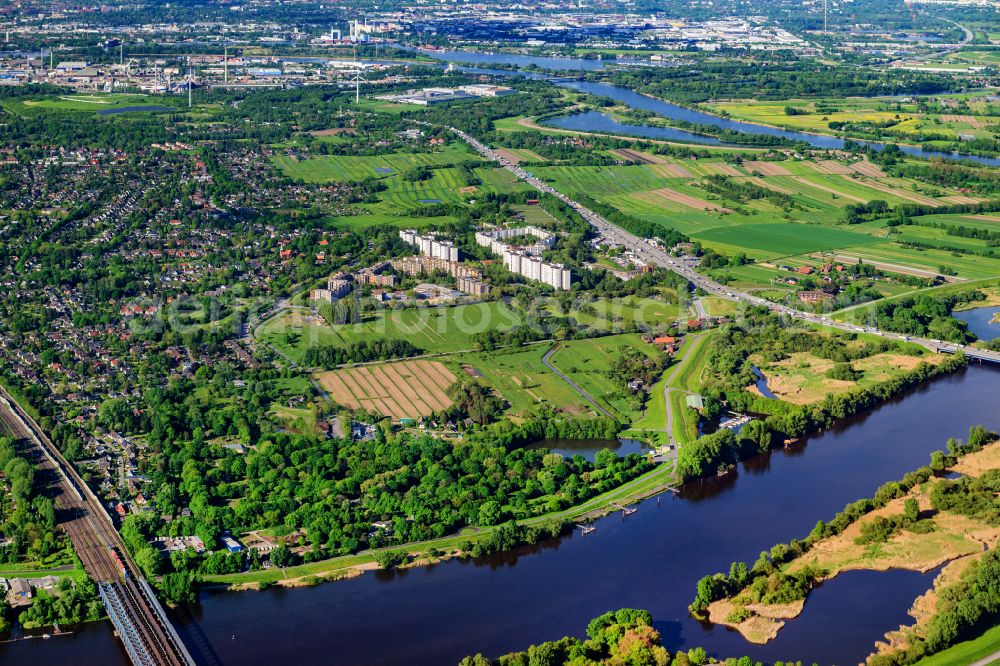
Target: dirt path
(572,384)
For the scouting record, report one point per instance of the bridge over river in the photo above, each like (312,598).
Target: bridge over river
(139,619)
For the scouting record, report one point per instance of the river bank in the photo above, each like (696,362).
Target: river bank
(649,560)
(434,551)
(908,533)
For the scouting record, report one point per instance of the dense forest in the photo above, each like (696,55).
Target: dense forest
(27,516)
(330,494)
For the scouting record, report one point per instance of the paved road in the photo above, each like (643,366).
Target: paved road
(699,309)
(573,385)
(668,389)
(650,252)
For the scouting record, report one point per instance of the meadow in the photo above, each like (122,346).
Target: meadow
(779,240)
(802,379)
(354,168)
(901,118)
(798,229)
(523,380)
(432,329)
(453,328)
(587,363)
(89,103)
(674,193)
(445,184)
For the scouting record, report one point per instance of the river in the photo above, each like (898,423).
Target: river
(675,112)
(599,122)
(982,321)
(652,560)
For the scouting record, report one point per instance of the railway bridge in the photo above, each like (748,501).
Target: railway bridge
(139,619)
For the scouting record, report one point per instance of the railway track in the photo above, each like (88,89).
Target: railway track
(138,617)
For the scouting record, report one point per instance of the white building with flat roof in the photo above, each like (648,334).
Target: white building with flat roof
(526,261)
(430,246)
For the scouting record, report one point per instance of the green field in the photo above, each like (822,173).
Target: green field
(685,375)
(778,240)
(587,362)
(674,194)
(354,168)
(90,103)
(449,329)
(433,329)
(895,117)
(968,652)
(444,185)
(521,378)
(719,307)
(966,266)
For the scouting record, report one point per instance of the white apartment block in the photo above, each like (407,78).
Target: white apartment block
(430,246)
(526,261)
(556,276)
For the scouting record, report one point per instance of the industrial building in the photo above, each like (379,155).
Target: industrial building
(431,96)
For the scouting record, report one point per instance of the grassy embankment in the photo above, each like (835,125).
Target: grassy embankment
(967,652)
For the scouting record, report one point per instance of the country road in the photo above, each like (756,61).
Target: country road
(586,396)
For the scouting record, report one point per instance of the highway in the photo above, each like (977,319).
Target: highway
(140,621)
(652,254)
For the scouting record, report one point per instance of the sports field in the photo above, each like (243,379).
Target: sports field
(404,389)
